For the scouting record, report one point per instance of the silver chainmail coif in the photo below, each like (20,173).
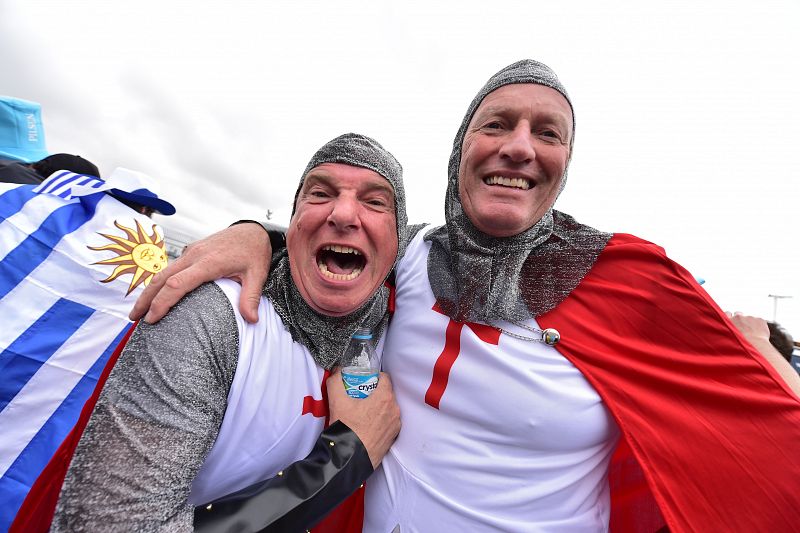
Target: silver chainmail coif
(479,278)
(327,337)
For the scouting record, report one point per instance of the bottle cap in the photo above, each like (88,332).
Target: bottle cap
(362,333)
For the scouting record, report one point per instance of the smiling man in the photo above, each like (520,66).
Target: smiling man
(559,346)
(203,403)
(506,184)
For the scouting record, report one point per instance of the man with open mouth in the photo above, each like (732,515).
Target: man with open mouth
(527,349)
(204,403)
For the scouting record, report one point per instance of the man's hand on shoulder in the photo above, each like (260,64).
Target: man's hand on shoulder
(241,252)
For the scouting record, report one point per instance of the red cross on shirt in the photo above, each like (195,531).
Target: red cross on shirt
(452,348)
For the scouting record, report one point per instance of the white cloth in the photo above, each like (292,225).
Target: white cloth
(264,428)
(520,442)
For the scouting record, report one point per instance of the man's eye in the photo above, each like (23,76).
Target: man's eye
(318,194)
(377,202)
(493,125)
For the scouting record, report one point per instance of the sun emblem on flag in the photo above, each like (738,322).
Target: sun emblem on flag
(138,253)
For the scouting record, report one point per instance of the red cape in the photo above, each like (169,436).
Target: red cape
(709,421)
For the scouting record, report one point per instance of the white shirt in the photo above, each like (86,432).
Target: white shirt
(264,428)
(519,442)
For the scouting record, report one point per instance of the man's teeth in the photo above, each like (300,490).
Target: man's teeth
(338,277)
(519,183)
(341,249)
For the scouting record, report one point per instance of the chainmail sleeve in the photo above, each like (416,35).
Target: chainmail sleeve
(156,420)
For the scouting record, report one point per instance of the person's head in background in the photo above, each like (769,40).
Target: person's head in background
(781,340)
(74,163)
(145,210)
(13,171)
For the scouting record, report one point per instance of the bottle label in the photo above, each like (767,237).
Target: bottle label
(359,383)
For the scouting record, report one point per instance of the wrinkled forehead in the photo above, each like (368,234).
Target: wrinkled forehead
(331,173)
(535,97)
(334,176)
(525,71)
(340,174)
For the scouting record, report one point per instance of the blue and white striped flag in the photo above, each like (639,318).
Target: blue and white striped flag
(62,183)
(72,262)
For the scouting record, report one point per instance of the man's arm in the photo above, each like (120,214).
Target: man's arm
(344,455)
(156,420)
(756,331)
(241,252)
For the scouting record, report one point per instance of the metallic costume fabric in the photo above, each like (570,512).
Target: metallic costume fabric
(326,337)
(479,278)
(160,409)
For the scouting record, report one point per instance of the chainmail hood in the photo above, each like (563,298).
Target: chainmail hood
(480,278)
(327,337)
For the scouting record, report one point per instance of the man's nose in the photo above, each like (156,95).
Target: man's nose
(518,145)
(345,213)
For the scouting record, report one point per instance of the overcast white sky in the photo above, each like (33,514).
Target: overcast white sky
(687,112)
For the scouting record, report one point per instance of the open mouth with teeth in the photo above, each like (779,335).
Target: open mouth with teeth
(516,183)
(340,263)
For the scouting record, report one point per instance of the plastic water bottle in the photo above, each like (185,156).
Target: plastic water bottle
(361,367)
